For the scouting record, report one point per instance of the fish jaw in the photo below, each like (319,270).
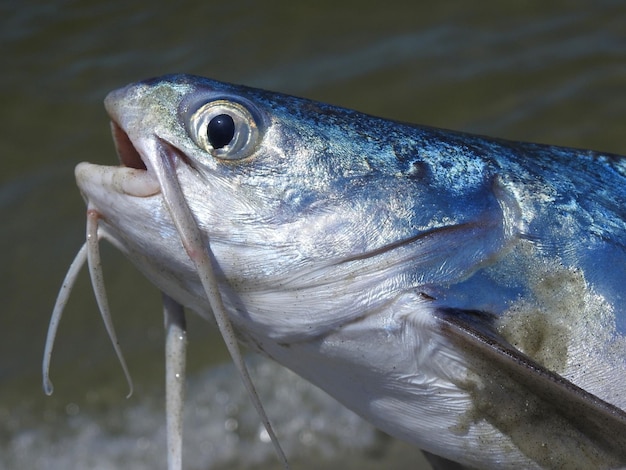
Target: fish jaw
(133,218)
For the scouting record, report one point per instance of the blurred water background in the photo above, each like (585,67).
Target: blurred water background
(526,70)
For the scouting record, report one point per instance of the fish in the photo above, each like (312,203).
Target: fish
(460,292)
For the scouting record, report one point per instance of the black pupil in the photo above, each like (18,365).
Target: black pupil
(221,131)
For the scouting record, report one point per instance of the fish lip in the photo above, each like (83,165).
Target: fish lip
(93,179)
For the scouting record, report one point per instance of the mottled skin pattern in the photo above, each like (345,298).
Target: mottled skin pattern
(460,292)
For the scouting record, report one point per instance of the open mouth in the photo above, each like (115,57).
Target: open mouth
(128,155)
(132,178)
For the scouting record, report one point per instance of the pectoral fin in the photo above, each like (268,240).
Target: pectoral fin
(550,419)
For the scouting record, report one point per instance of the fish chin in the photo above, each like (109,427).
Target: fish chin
(133,218)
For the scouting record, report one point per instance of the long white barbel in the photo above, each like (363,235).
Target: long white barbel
(90,253)
(199,252)
(175,362)
(57,313)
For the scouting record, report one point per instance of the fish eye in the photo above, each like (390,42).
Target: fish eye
(221,130)
(225,129)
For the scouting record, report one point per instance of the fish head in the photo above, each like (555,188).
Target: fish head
(296,198)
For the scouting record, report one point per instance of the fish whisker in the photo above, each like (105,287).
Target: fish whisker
(97,282)
(89,252)
(200,254)
(63,296)
(175,363)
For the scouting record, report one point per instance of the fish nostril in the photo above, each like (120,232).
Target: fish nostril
(126,151)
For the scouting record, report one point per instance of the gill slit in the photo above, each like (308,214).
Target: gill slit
(200,255)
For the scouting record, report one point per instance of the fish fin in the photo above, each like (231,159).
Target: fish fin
(550,419)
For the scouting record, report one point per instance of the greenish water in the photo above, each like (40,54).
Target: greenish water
(519,70)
